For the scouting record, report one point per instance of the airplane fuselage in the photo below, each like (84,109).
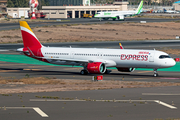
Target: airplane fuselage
(92,59)
(111,57)
(119,14)
(114,14)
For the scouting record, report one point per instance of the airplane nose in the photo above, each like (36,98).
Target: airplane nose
(172,63)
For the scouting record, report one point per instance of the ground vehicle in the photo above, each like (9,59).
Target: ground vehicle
(43,15)
(38,15)
(68,16)
(87,16)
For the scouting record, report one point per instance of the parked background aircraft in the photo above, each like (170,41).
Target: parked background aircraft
(119,14)
(169,11)
(93,60)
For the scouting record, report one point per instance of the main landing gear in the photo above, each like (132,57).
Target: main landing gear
(84,72)
(155,73)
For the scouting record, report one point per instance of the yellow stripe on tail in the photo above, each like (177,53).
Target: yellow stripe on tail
(24,24)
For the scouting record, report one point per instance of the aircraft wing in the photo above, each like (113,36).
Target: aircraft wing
(108,63)
(65,59)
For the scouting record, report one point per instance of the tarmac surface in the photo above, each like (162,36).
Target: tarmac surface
(9,26)
(124,103)
(146,44)
(19,70)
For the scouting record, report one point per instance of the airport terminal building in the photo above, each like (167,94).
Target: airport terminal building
(70,8)
(76,8)
(176,5)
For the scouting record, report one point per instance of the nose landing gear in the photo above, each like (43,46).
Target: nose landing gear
(155,73)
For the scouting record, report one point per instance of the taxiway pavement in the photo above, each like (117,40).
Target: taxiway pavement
(19,70)
(125,104)
(9,26)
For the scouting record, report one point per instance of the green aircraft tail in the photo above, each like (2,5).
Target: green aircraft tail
(139,9)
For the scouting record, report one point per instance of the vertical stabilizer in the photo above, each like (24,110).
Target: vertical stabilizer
(121,47)
(164,10)
(29,38)
(139,9)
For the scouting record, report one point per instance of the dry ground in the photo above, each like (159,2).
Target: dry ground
(96,32)
(42,84)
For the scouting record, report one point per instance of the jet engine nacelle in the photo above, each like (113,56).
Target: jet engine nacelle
(126,69)
(96,67)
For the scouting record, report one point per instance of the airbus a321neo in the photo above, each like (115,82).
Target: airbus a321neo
(93,60)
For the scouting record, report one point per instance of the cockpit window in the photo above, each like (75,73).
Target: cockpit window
(164,56)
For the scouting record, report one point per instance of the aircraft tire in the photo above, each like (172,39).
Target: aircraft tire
(155,75)
(84,72)
(107,71)
(118,17)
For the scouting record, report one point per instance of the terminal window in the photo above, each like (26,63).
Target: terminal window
(65,2)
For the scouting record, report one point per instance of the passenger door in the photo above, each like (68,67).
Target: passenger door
(100,55)
(151,57)
(72,55)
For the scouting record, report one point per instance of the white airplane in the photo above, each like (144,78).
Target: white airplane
(169,11)
(93,60)
(118,14)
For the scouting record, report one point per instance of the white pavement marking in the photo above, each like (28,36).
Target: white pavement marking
(3,50)
(77,100)
(41,100)
(38,110)
(18,107)
(165,104)
(160,94)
